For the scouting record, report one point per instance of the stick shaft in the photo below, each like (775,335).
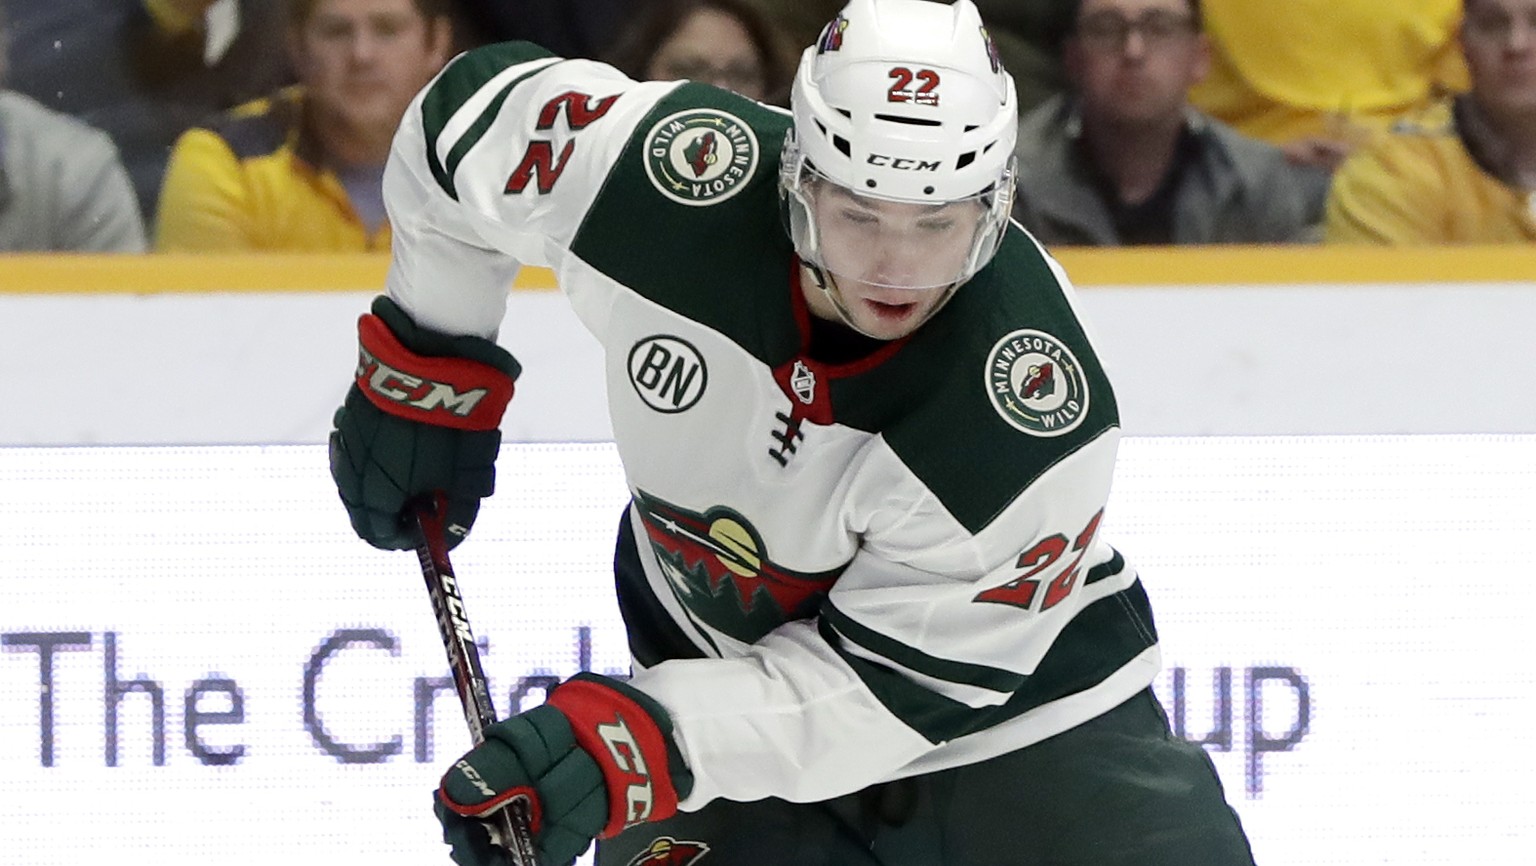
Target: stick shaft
(512,822)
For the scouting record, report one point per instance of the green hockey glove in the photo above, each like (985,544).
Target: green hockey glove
(596,758)
(420,419)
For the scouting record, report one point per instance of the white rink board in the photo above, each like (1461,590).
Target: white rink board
(1386,577)
(255,369)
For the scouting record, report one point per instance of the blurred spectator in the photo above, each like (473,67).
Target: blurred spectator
(143,71)
(1027,33)
(721,42)
(1319,77)
(1126,160)
(566,28)
(301,171)
(62,187)
(1465,171)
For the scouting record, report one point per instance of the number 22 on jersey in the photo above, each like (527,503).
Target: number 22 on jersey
(539,164)
(1039,558)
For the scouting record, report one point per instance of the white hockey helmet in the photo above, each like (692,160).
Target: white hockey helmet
(905,101)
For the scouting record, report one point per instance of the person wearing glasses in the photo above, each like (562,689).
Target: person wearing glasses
(1123,159)
(1465,170)
(726,43)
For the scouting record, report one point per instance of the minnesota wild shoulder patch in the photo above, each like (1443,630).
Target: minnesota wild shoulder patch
(700,156)
(1036,384)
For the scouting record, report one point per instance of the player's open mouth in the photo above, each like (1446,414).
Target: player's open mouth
(890,311)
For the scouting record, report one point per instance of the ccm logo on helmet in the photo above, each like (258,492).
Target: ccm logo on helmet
(401,387)
(901,163)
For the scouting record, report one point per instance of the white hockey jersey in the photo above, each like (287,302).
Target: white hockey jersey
(848,573)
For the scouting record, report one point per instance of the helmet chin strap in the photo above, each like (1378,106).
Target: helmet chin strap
(826,282)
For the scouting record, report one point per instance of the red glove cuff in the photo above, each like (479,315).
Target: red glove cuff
(445,392)
(629,748)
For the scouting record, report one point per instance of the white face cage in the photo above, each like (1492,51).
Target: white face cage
(890,243)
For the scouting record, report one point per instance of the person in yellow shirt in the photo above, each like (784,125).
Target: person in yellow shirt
(1465,172)
(301,170)
(1320,77)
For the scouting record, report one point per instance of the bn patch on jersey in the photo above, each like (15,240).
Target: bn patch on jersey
(668,373)
(700,156)
(1036,384)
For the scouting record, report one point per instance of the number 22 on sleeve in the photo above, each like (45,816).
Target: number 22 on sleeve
(1022,590)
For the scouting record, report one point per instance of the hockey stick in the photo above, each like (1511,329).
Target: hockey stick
(512,822)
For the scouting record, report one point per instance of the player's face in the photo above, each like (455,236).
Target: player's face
(1133,61)
(1499,38)
(361,61)
(893,262)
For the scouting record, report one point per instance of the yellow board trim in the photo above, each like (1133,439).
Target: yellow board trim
(1304,265)
(1165,266)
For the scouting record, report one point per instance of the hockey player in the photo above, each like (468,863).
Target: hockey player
(869,445)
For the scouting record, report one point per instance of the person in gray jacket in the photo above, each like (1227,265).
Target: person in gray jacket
(62,187)
(1124,160)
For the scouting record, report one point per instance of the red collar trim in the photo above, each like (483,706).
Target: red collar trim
(803,324)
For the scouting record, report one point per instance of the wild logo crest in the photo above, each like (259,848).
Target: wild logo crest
(1036,384)
(719,567)
(667,851)
(700,156)
(993,57)
(832,36)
